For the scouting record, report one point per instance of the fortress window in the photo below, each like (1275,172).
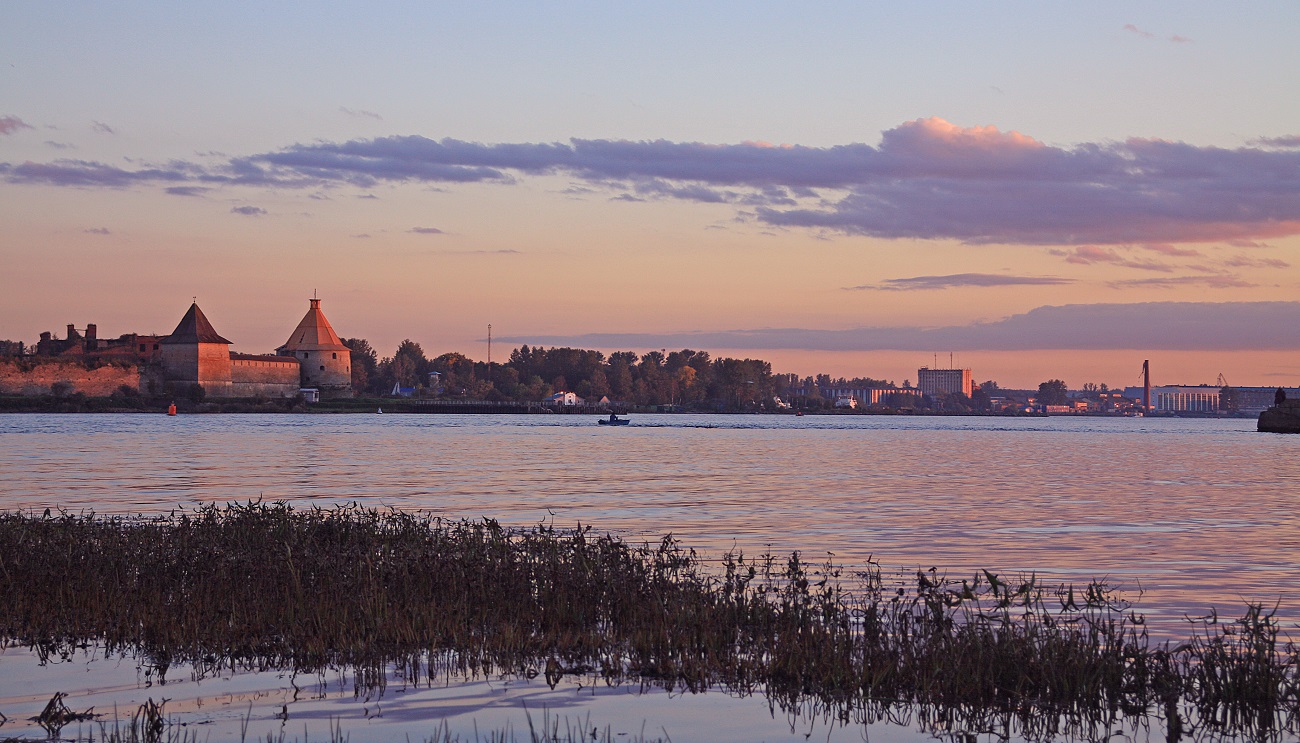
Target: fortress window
(141,348)
(322,368)
(155,346)
(334,355)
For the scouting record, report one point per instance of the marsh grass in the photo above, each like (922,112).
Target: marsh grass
(147,725)
(263,586)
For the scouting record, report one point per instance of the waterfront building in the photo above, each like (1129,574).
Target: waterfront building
(1202,398)
(326,363)
(871,395)
(563,399)
(940,382)
(193,355)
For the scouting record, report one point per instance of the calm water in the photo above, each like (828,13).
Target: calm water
(1196,512)
(1192,514)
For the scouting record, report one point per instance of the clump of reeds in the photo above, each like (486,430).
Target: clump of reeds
(262,586)
(57,714)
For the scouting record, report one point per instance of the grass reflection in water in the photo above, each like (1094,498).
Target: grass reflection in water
(263,586)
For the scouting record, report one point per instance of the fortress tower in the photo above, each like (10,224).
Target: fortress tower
(326,362)
(194,352)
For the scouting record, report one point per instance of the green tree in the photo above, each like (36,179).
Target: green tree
(1052,392)
(458,372)
(979,399)
(365,365)
(619,374)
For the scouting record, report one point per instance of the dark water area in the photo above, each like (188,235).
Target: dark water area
(1183,515)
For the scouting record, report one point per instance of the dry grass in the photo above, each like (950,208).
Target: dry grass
(262,586)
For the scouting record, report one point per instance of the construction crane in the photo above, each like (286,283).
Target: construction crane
(1222,381)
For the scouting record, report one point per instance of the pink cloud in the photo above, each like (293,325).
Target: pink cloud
(1089,254)
(1217,281)
(11,124)
(1171,250)
(1242,261)
(1135,30)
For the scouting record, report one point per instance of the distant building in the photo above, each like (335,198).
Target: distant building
(128,347)
(940,382)
(1202,398)
(326,362)
(562,399)
(846,401)
(195,354)
(1259,399)
(870,395)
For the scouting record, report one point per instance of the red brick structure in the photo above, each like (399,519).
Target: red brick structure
(326,362)
(194,354)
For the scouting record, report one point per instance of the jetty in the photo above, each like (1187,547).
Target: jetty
(1281,418)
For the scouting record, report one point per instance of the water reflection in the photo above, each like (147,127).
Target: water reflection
(1189,514)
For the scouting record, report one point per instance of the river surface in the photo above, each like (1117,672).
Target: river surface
(1184,515)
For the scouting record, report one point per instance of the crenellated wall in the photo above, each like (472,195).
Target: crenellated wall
(263,376)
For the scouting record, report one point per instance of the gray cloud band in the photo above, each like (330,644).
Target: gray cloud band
(1149,326)
(926,179)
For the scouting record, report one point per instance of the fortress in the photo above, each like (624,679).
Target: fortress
(194,354)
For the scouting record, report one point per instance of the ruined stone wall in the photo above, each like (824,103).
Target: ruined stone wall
(26,378)
(263,376)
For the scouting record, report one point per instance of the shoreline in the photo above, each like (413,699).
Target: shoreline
(158,406)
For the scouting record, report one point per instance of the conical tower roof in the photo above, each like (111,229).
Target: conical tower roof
(194,328)
(314,333)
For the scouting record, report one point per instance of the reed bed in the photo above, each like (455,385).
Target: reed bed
(262,586)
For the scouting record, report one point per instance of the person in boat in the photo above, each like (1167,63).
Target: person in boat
(613,417)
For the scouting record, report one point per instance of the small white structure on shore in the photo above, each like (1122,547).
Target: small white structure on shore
(563,399)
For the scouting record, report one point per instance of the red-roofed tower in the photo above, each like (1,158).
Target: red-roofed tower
(326,362)
(196,353)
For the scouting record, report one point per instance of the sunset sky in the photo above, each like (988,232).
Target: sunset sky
(853,188)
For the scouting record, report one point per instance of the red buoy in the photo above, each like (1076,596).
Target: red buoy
(171,409)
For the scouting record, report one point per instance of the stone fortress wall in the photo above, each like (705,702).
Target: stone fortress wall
(17,378)
(264,376)
(194,354)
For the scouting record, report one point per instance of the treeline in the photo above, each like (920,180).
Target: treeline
(688,378)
